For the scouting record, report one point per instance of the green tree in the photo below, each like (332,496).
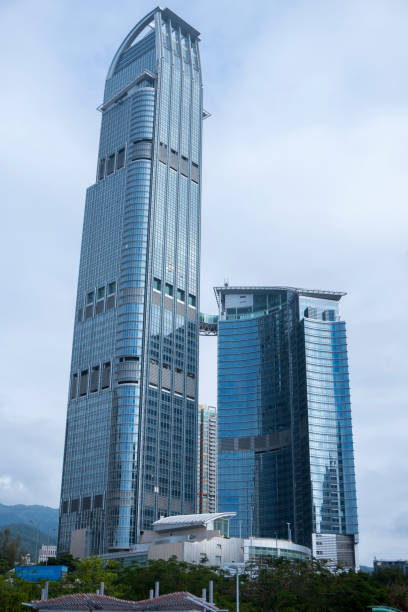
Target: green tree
(10,550)
(310,587)
(134,582)
(66,559)
(279,586)
(14,591)
(89,574)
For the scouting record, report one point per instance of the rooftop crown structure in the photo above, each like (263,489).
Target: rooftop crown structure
(130,448)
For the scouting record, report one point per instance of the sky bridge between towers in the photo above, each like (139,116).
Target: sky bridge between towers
(208,325)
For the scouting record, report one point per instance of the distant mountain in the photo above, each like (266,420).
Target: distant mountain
(29,539)
(368,569)
(42,516)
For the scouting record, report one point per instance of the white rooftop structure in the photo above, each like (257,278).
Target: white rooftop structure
(184,521)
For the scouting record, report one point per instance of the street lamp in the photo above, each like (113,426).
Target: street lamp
(48,542)
(239,567)
(237,588)
(36,540)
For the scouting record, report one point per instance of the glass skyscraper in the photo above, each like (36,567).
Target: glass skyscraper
(286,463)
(131,434)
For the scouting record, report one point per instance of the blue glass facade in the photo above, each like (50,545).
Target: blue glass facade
(130,450)
(284,414)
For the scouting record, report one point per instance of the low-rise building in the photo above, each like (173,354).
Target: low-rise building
(397,564)
(47,552)
(204,538)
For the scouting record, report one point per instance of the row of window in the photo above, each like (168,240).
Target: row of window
(325,315)
(91,380)
(177,162)
(75,504)
(114,161)
(97,301)
(169,290)
(142,149)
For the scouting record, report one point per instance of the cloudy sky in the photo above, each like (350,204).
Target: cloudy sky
(305,184)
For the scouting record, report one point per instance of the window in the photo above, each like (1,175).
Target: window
(110,302)
(95,379)
(74,505)
(83,385)
(173,159)
(86,503)
(101,169)
(106,374)
(191,300)
(194,172)
(181,295)
(64,507)
(90,297)
(112,288)
(157,284)
(169,289)
(89,311)
(120,161)
(163,153)
(142,149)
(100,304)
(110,166)
(101,293)
(98,501)
(184,165)
(74,386)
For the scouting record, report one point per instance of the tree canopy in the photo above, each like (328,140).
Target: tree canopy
(281,585)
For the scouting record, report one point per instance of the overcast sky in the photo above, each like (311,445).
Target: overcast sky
(304,184)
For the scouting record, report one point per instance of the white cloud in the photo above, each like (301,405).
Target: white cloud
(10,489)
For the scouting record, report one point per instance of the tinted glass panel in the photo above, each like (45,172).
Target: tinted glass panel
(111,164)
(106,373)
(120,162)
(101,169)
(194,172)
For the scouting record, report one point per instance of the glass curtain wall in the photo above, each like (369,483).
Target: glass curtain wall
(130,449)
(286,464)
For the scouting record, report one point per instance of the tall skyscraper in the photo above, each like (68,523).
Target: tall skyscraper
(131,435)
(207,459)
(286,464)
